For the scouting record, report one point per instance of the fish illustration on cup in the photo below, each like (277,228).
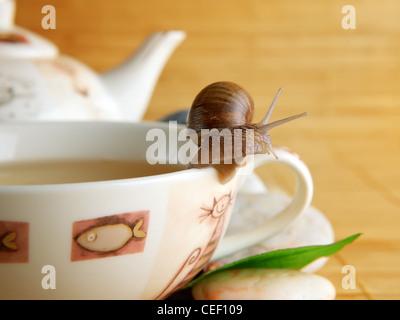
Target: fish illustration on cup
(109,236)
(14,242)
(7,241)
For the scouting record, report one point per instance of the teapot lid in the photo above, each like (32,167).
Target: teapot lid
(16,42)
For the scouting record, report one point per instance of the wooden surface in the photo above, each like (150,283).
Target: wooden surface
(347,80)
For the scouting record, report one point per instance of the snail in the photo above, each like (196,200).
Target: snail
(222,113)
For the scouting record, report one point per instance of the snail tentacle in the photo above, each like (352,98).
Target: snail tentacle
(271,108)
(276,123)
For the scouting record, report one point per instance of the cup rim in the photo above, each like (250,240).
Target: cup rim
(164,177)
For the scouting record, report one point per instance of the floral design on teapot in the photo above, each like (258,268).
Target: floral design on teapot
(10,37)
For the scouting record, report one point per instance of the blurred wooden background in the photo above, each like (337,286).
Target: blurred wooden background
(347,80)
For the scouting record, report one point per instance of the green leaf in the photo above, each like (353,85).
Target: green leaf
(293,258)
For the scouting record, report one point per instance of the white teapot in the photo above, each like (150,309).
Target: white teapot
(37,83)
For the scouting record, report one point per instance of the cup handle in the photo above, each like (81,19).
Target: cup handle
(300,202)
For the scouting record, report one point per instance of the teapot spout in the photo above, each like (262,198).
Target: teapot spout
(132,83)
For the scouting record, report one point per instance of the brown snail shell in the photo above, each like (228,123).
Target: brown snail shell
(221,105)
(225,110)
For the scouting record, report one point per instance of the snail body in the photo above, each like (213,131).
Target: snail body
(221,115)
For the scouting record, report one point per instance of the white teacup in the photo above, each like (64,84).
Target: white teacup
(131,238)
